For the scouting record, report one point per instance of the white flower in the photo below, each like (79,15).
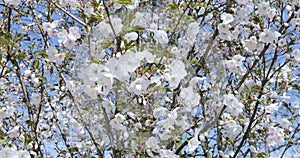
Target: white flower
(62,36)
(132,36)
(272,13)
(184,43)
(109,106)
(74,33)
(297,21)
(104,29)
(13,2)
(13,133)
(230,100)
(116,123)
(268,36)
(147,55)
(276,136)
(193,144)
(163,153)
(27,72)
(251,43)
(281,42)
(190,98)
(90,91)
(160,111)
(192,31)
(179,53)
(69,43)
(263,8)
(48,27)
(285,123)
(225,33)
(141,18)
(7,153)
(296,55)
(52,52)
(295,104)
(222,27)
(139,85)
(173,80)
(161,37)
(117,24)
(271,108)
(36,99)
(60,57)
(10,110)
(152,143)
(115,68)
(3,114)
(243,2)
(177,68)
(227,18)
(88,9)
(76,126)
(230,64)
(130,61)
(238,60)
(22,154)
(232,129)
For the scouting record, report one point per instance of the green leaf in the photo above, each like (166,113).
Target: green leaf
(172,6)
(125,2)
(73,150)
(29,123)
(36,64)
(261,155)
(135,28)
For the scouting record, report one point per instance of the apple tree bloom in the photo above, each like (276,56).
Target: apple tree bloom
(117,24)
(104,29)
(238,60)
(224,31)
(242,2)
(272,13)
(116,123)
(132,36)
(36,99)
(160,111)
(177,68)
(232,129)
(7,152)
(285,123)
(268,36)
(296,55)
(192,31)
(139,85)
(295,104)
(152,143)
(52,52)
(22,154)
(161,37)
(233,105)
(263,8)
(193,144)
(275,136)
(251,43)
(12,2)
(163,153)
(227,18)
(190,98)
(88,9)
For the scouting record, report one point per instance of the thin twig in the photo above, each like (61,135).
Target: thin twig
(71,15)
(109,20)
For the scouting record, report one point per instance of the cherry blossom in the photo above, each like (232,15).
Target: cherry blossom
(120,78)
